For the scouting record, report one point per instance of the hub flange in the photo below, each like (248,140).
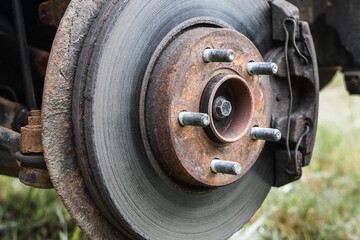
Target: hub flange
(181,81)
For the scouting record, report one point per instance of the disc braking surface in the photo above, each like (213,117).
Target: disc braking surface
(136,200)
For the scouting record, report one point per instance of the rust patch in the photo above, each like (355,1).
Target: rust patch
(33,171)
(236,89)
(31,134)
(35,177)
(57,134)
(177,84)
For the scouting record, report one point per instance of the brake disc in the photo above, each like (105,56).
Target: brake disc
(119,76)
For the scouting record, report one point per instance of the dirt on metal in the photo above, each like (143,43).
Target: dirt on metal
(59,146)
(34,177)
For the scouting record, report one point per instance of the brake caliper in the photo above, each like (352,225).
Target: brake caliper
(295,92)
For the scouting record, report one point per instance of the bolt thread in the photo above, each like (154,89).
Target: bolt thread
(194,119)
(218,55)
(262,68)
(226,167)
(267,134)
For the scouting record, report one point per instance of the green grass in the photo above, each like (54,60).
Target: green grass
(28,213)
(324,204)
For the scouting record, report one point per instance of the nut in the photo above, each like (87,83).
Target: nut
(222,107)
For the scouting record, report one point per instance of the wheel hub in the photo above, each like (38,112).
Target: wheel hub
(235,101)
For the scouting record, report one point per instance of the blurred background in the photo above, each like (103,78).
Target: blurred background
(324,204)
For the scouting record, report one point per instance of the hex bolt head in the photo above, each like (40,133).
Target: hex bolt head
(222,108)
(267,134)
(262,68)
(226,167)
(218,55)
(194,119)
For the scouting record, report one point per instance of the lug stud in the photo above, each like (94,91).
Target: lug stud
(222,108)
(194,119)
(262,68)
(226,167)
(267,134)
(218,55)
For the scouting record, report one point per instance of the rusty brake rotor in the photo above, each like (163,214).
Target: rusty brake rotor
(120,75)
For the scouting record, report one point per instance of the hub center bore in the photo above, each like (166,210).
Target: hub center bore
(182,81)
(227,125)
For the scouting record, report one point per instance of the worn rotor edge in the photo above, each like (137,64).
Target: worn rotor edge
(60,155)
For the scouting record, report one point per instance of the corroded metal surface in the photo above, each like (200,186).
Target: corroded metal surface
(35,177)
(178,82)
(57,123)
(31,134)
(131,198)
(33,170)
(236,126)
(281,10)
(305,103)
(110,149)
